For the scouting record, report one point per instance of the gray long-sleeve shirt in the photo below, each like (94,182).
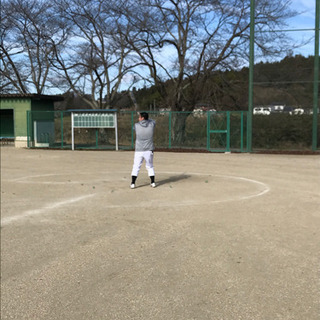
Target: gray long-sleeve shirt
(144,135)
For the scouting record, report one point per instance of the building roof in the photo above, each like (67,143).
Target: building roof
(32,96)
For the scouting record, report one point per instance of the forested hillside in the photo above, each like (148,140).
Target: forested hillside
(288,82)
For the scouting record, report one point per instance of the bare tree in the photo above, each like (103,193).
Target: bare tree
(97,58)
(198,37)
(90,46)
(28,28)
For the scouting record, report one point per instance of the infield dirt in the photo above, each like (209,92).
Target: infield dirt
(222,236)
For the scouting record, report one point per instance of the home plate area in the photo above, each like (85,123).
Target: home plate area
(180,189)
(174,189)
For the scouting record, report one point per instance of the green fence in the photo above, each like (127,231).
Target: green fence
(207,131)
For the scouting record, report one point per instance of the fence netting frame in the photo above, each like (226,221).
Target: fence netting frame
(202,132)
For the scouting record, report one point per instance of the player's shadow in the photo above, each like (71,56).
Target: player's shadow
(168,180)
(173,179)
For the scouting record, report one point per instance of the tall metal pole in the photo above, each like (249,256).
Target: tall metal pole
(316,78)
(251,67)
(72,130)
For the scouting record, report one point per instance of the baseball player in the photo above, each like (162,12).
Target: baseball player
(143,148)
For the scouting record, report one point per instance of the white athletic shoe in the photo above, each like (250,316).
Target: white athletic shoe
(153,185)
(132,186)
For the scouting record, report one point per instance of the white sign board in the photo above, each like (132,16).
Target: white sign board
(94,119)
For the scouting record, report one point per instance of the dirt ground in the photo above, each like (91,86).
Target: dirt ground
(222,236)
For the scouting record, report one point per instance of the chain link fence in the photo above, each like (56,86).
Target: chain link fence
(200,131)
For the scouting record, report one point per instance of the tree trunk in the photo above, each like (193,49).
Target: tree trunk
(179,128)
(103,136)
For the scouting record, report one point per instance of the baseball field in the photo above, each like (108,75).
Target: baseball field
(221,237)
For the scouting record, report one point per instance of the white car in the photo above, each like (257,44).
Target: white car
(262,110)
(298,111)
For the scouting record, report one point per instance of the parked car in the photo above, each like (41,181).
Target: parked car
(262,110)
(298,111)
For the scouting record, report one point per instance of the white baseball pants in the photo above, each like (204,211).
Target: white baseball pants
(139,156)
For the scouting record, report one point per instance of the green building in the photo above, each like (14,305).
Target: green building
(14,110)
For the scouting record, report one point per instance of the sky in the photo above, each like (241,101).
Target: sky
(305,20)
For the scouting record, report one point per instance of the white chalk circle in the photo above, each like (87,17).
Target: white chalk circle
(173,188)
(187,189)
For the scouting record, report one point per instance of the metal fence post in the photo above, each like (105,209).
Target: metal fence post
(28,128)
(228,132)
(241,132)
(132,133)
(170,126)
(251,66)
(316,79)
(208,130)
(61,124)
